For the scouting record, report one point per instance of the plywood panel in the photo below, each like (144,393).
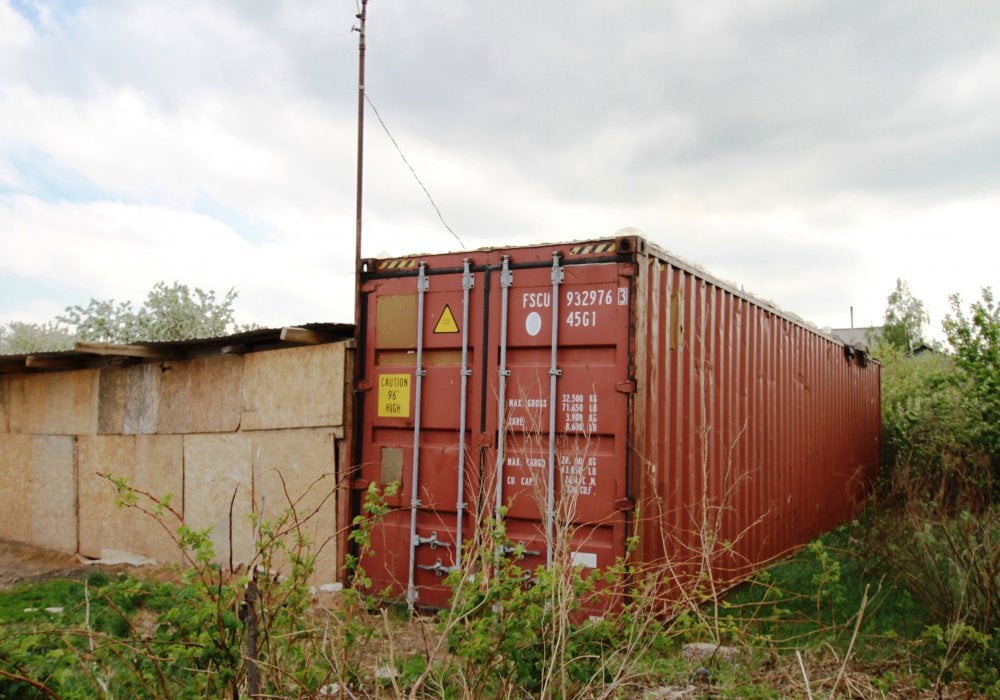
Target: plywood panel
(294,388)
(54,403)
(142,399)
(153,464)
(103,525)
(15,487)
(111,400)
(295,470)
(4,401)
(159,471)
(28,394)
(217,473)
(53,492)
(201,396)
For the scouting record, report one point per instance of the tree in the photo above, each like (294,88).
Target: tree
(18,338)
(101,321)
(905,317)
(176,313)
(170,312)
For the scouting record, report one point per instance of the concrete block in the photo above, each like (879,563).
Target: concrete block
(15,487)
(142,399)
(53,492)
(54,403)
(295,469)
(103,525)
(201,396)
(294,388)
(217,482)
(701,652)
(111,400)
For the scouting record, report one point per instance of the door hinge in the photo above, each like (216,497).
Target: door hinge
(626,387)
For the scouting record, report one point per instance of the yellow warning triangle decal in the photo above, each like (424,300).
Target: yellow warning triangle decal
(446,324)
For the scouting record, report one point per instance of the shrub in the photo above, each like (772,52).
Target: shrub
(950,563)
(976,340)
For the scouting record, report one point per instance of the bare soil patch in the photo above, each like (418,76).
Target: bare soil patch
(22,563)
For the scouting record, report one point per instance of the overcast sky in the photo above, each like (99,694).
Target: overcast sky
(811,152)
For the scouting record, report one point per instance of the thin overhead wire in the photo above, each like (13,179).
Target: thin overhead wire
(414,172)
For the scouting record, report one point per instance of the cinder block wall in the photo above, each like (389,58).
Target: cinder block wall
(225,436)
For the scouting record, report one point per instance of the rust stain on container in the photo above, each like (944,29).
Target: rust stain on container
(604,389)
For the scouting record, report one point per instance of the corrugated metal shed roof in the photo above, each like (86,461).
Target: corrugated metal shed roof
(100,354)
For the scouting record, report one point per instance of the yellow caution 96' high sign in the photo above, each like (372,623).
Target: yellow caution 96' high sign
(394,396)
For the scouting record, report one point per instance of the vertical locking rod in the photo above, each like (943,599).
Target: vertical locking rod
(506,279)
(467,284)
(554,372)
(423,283)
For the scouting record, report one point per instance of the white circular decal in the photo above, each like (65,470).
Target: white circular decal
(533,323)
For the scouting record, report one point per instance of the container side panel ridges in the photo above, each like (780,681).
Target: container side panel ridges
(684,411)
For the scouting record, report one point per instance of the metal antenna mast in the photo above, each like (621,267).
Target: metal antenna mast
(361,161)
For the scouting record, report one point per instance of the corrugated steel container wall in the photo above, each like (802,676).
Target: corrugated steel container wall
(753,433)
(666,404)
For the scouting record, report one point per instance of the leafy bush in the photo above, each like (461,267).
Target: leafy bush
(950,563)
(941,413)
(930,450)
(976,341)
(958,651)
(935,525)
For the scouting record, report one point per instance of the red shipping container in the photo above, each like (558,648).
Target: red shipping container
(608,390)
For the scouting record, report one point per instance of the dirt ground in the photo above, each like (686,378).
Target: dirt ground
(23,563)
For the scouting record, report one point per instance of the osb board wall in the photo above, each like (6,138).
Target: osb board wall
(269,473)
(150,463)
(38,493)
(210,432)
(201,396)
(56,403)
(4,387)
(310,396)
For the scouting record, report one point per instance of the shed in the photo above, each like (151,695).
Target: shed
(226,427)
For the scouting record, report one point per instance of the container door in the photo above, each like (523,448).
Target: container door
(562,371)
(419,358)
(495,386)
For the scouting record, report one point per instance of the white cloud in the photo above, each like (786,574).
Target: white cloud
(810,153)
(120,250)
(15,33)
